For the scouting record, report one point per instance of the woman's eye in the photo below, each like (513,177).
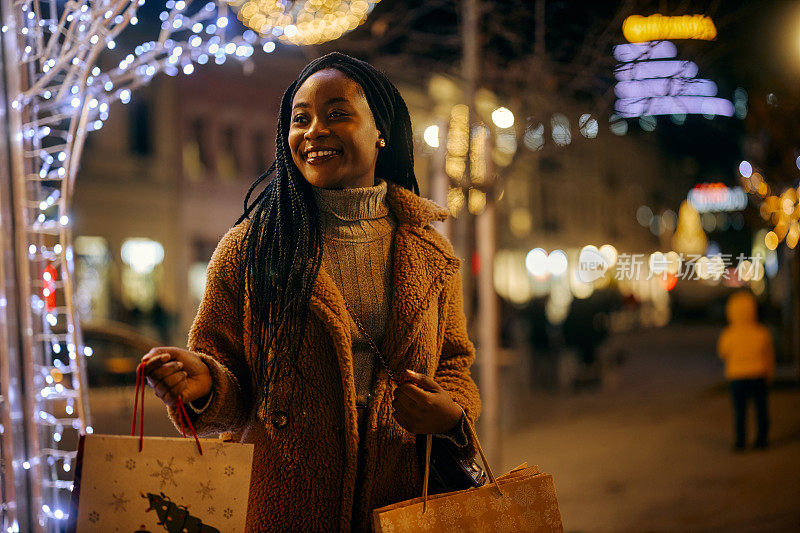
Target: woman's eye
(337,114)
(299,118)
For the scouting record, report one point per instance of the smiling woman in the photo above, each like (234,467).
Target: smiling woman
(331,331)
(333,136)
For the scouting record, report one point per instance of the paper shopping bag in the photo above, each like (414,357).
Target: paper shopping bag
(149,484)
(528,504)
(167,486)
(521,501)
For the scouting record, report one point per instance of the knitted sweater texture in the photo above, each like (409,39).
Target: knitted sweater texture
(358,231)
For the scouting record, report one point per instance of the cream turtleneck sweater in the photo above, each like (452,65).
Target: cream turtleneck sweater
(358,233)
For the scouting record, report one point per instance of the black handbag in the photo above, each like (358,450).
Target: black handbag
(448,470)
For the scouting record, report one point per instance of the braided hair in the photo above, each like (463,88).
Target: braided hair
(281,251)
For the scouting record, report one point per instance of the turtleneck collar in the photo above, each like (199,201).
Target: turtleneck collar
(364,203)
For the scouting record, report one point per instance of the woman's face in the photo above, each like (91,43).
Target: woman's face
(333,137)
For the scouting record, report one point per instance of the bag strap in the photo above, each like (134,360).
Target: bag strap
(182,414)
(429,444)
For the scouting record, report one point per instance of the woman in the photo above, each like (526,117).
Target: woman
(747,349)
(331,330)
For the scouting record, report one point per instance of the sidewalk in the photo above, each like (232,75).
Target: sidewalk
(653,453)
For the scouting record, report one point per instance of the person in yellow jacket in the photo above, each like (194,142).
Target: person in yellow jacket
(746,347)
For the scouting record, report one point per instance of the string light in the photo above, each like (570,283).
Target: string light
(61,63)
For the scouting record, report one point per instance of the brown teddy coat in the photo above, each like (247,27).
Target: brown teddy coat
(307,445)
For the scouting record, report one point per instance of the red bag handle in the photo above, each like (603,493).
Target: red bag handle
(182,414)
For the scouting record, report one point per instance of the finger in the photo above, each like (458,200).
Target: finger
(422,381)
(174,394)
(156,352)
(169,381)
(155,362)
(163,371)
(164,386)
(414,393)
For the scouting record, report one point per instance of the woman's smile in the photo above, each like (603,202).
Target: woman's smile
(319,156)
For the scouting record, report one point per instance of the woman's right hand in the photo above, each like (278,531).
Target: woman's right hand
(174,372)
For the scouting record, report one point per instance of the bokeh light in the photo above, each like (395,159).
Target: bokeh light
(536,262)
(431,136)
(503,117)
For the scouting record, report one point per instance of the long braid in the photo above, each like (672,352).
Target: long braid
(281,251)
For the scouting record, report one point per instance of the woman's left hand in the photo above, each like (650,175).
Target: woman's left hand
(422,406)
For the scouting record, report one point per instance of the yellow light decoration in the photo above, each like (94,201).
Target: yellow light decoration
(458,134)
(771,240)
(477,155)
(689,237)
(303,23)
(638,29)
(477,201)
(455,200)
(793,235)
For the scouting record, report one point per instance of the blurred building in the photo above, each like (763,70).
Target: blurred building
(160,185)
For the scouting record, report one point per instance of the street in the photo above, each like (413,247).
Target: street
(652,452)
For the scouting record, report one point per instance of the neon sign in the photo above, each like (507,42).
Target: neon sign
(673,105)
(638,29)
(707,197)
(656,69)
(665,87)
(637,51)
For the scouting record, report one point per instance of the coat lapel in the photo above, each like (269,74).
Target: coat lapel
(421,270)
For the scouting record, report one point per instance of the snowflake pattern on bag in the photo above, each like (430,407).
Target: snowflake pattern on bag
(189,486)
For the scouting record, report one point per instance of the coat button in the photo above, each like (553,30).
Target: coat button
(279,419)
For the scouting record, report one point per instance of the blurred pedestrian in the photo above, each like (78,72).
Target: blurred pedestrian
(332,327)
(746,347)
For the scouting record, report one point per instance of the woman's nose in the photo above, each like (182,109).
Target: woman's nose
(316,129)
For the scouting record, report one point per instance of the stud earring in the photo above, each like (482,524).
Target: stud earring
(382,143)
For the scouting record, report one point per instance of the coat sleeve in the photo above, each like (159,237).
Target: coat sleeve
(217,337)
(458,353)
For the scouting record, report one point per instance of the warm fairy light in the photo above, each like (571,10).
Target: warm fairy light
(477,155)
(303,22)
(476,202)
(455,200)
